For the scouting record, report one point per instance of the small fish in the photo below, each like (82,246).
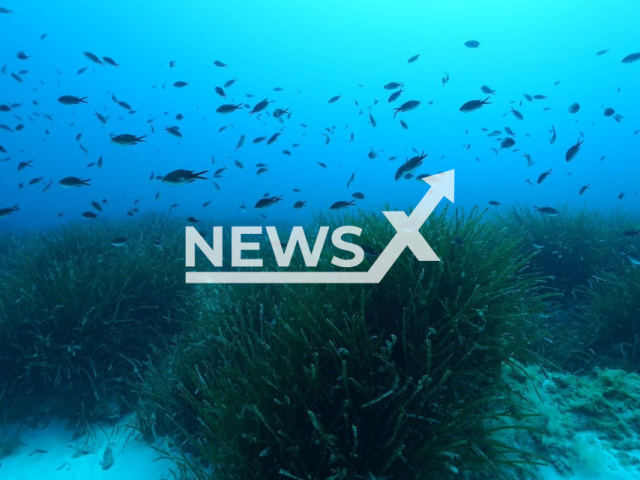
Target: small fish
(127,139)
(601,52)
(472,105)
(267,202)
(488,90)
(633,259)
(394,96)
(414,58)
(273,138)
(342,204)
(100,117)
(110,61)
(546,211)
(37,450)
(573,151)
(553,135)
(71,100)
(119,241)
(410,165)
(351,179)
(445,79)
(358,195)
(180,84)
(8,211)
(93,58)
(583,189)
(228,108)
(574,107)
(260,106)
(472,44)
(89,215)
(228,83)
(494,203)
(334,99)
(182,177)
(608,112)
(406,107)
(543,176)
(240,142)
(23,165)
(220,64)
(393,85)
(372,120)
(517,114)
(220,92)
(299,204)
(633,57)
(507,143)
(73,182)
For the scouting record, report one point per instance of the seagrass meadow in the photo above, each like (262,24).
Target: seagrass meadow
(441,370)
(142,146)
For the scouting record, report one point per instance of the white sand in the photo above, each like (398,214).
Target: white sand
(133,459)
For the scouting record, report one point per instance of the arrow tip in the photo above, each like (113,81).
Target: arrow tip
(444,182)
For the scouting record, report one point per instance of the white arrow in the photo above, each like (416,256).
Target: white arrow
(407,235)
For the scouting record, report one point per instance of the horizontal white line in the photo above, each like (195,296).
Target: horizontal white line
(282,277)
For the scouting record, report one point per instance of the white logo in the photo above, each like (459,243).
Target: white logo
(407,235)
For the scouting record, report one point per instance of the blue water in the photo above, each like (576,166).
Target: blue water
(314,51)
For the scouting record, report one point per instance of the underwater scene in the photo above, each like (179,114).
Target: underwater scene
(338,240)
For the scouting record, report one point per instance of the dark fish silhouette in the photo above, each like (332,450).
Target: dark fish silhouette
(71,100)
(573,151)
(472,105)
(633,57)
(93,58)
(182,177)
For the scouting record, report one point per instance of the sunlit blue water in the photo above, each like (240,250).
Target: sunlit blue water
(314,51)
